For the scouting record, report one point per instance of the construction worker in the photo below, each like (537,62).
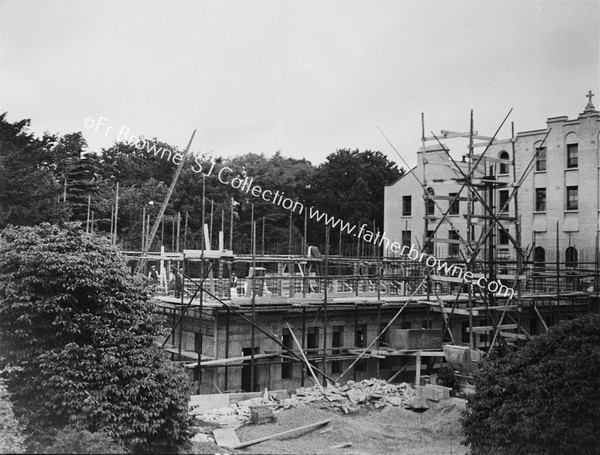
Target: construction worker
(153,277)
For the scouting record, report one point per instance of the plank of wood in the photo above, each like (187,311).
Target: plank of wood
(366,355)
(342,446)
(283,433)
(449,198)
(449,279)
(460,311)
(489,328)
(496,142)
(449,241)
(228,360)
(226,437)
(514,336)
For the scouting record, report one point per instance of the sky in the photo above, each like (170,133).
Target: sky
(303,77)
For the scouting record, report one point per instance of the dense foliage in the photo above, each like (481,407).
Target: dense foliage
(78,341)
(57,179)
(72,440)
(541,399)
(11,439)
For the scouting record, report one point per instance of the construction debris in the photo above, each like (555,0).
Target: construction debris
(434,392)
(226,437)
(348,398)
(354,395)
(261,414)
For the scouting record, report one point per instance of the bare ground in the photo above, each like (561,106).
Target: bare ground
(393,430)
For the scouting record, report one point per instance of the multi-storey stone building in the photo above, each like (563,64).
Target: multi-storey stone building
(558,199)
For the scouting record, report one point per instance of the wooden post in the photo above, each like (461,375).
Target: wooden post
(418,370)
(116,212)
(253,283)
(308,365)
(143,227)
(203,211)
(325,304)
(178,229)
(263,237)
(185,229)
(212,208)
(163,208)
(290,235)
(87,221)
(231,227)
(227,322)
(303,341)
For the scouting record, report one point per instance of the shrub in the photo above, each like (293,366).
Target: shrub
(78,334)
(541,399)
(73,440)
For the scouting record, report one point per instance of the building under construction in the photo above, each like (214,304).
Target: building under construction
(249,322)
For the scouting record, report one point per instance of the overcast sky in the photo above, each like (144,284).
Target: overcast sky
(304,77)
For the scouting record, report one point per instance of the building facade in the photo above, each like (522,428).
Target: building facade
(555,169)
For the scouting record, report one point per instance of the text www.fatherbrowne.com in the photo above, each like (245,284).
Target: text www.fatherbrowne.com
(246,184)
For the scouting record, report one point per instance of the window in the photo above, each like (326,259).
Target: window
(464,332)
(361,342)
(337,339)
(430,204)
(406,235)
(502,237)
(312,338)
(406,205)
(539,256)
(453,248)
(384,339)
(571,257)
(540,199)
(361,336)
(540,164)
(428,243)
(503,199)
(572,198)
(504,166)
(572,152)
(287,367)
(454,207)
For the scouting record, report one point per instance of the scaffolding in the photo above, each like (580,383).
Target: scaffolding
(344,309)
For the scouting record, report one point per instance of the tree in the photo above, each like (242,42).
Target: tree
(78,338)
(543,398)
(350,186)
(29,191)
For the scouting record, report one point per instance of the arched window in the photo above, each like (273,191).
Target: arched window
(504,166)
(539,256)
(571,257)
(430,204)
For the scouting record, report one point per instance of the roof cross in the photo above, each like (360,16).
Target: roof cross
(590,107)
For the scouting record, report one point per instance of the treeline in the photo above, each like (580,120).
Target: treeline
(56,179)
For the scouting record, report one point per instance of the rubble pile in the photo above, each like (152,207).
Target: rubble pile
(346,398)
(234,415)
(354,395)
